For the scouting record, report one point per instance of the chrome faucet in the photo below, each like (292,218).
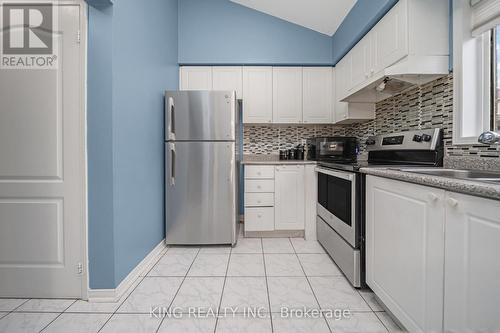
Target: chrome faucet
(489,138)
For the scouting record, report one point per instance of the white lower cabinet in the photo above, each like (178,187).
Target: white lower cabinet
(472,264)
(275,198)
(289,197)
(404,250)
(259,218)
(432,256)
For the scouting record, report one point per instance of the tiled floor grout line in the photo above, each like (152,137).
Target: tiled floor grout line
(267,286)
(179,288)
(370,307)
(135,287)
(222,293)
(59,315)
(310,286)
(15,308)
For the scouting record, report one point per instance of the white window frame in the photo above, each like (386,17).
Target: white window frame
(471,77)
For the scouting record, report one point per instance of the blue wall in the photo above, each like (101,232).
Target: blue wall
(100,148)
(362,17)
(132,61)
(222,32)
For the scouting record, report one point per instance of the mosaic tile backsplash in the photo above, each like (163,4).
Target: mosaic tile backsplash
(423,107)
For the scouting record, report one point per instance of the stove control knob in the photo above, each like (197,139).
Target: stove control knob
(417,138)
(370,142)
(426,137)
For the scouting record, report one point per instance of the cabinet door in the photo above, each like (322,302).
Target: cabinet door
(405,250)
(340,76)
(289,197)
(287,95)
(196,78)
(257,94)
(360,62)
(472,266)
(317,95)
(391,37)
(228,78)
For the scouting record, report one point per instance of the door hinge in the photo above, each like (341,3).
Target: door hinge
(78,37)
(79,268)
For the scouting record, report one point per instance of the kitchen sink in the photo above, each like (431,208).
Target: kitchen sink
(481,176)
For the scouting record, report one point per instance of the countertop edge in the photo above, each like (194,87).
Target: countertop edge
(478,189)
(272,160)
(278,162)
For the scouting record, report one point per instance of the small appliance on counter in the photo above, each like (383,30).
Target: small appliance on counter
(335,148)
(341,188)
(296,153)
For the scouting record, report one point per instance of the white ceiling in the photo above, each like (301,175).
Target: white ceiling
(323,16)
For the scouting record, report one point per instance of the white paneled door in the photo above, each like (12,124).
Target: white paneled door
(317,95)
(42,167)
(228,78)
(287,95)
(196,78)
(289,197)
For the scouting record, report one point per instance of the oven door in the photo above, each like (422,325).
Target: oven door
(337,202)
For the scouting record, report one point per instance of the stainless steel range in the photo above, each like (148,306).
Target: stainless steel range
(340,206)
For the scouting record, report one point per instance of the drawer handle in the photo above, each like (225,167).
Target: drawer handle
(259,187)
(452,202)
(258,173)
(258,201)
(259,216)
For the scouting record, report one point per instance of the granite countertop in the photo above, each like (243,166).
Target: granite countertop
(271,160)
(471,187)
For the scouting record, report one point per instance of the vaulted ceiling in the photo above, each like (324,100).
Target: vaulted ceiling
(324,16)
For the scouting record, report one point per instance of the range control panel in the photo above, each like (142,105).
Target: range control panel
(428,139)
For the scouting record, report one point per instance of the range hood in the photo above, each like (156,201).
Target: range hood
(409,72)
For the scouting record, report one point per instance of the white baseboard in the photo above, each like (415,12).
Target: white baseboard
(114,295)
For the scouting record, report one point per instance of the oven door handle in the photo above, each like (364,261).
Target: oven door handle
(339,174)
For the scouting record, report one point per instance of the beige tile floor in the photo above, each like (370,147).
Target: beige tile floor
(264,274)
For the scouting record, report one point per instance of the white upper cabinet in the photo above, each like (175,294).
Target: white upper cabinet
(410,43)
(257,94)
(228,78)
(343,112)
(289,197)
(360,62)
(472,266)
(196,78)
(390,37)
(317,95)
(287,95)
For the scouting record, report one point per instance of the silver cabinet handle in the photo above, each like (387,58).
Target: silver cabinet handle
(172,164)
(171,123)
(339,174)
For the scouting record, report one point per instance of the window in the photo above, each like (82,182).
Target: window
(476,69)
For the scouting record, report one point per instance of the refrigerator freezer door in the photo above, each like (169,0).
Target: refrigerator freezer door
(201,193)
(200,116)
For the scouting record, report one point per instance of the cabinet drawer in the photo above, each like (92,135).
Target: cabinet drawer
(259,219)
(259,199)
(259,186)
(259,172)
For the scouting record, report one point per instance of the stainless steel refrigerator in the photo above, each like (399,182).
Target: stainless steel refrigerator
(201,167)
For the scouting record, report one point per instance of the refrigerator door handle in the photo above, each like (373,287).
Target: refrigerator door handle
(171,123)
(172,165)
